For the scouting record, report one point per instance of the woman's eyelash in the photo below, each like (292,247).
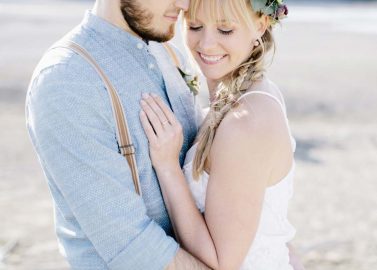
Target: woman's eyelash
(195,28)
(225,32)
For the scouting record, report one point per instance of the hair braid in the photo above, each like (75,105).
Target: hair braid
(227,95)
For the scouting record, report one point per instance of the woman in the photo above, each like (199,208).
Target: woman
(239,171)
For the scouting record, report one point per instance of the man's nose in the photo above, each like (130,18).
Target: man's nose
(182,4)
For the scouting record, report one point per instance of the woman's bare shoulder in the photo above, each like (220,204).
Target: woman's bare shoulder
(257,121)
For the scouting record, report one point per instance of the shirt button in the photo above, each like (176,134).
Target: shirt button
(139,46)
(151,66)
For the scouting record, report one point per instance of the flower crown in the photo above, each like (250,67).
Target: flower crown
(275,9)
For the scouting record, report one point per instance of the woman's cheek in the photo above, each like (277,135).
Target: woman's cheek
(190,37)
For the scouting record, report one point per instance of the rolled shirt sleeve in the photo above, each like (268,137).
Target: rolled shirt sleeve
(73,135)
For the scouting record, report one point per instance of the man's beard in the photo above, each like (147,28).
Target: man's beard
(140,21)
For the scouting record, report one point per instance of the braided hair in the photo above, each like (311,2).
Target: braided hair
(227,95)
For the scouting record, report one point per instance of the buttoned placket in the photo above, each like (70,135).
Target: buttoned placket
(151,65)
(151,61)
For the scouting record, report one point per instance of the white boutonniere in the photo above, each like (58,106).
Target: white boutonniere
(192,81)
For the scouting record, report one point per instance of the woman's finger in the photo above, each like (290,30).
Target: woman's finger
(165,108)
(156,108)
(147,127)
(152,117)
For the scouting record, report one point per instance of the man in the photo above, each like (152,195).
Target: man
(101,222)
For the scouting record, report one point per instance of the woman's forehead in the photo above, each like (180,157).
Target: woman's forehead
(218,11)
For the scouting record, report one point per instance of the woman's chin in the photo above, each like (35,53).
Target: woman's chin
(213,76)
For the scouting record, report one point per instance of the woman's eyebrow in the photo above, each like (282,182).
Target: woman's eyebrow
(223,21)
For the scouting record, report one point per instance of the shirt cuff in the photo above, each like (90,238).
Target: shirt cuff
(152,249)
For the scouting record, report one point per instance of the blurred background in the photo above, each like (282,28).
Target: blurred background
(326,67)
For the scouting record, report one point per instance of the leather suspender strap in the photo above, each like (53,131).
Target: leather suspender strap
(172,54)
(126,147)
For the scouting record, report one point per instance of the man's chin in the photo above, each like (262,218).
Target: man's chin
(166,36)
(154,35)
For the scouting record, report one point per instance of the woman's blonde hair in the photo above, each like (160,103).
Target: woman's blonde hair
(235,83)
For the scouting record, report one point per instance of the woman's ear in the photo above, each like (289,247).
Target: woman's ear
(262,24)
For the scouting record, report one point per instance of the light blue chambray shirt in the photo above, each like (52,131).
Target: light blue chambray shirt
(101,223)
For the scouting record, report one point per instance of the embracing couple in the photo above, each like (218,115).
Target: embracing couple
(211,190)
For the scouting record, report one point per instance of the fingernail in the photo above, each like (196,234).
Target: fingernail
(143,102)
(154,95)
(145,95)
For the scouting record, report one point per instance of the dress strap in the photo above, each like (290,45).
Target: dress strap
(293,141)
(266,94)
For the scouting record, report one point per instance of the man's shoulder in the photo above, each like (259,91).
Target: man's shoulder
(59,63)
(61,60)
(62,66)
(63,77)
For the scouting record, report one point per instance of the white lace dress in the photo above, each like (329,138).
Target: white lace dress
(269,248)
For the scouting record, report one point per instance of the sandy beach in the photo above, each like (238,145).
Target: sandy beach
(326,66)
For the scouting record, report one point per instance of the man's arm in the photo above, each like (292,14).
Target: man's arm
(184,261)
(71,126)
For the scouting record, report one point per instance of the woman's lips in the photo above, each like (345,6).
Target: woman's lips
(211,59)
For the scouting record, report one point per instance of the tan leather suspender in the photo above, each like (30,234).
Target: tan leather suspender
(172,54)
(127,149)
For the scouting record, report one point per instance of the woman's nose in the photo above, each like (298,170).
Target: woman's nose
(207,41)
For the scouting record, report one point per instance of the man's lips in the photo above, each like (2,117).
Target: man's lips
(172,18)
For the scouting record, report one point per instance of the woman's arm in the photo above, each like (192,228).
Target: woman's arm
(188,222)
(243,154)
(165,144)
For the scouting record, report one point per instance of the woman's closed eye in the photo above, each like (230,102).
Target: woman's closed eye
(221,31)
(225,31)
(195,27)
